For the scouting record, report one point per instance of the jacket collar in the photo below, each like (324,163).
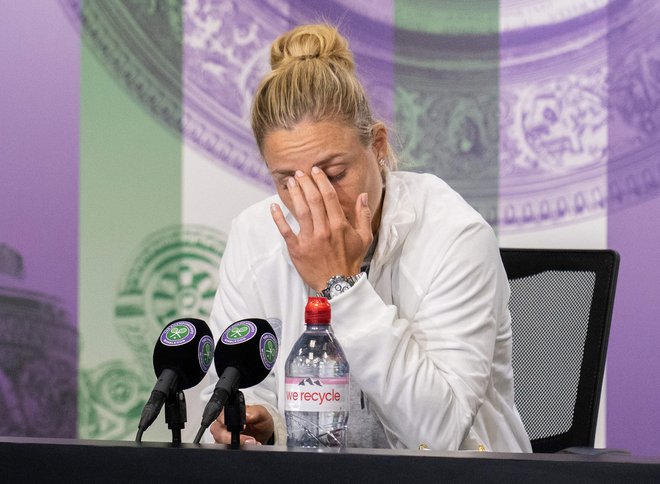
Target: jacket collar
(398,216)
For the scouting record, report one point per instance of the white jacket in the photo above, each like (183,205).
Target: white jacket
(427,335)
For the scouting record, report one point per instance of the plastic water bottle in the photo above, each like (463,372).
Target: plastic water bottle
(317,383)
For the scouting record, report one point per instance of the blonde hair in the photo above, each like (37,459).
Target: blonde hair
(312,77)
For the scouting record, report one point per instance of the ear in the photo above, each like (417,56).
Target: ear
(379,144)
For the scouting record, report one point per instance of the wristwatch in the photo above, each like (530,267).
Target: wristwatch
(338,285)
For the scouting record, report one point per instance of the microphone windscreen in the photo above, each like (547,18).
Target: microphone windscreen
(249,345)
(186,347)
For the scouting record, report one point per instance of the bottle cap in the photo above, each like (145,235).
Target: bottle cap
(317,311)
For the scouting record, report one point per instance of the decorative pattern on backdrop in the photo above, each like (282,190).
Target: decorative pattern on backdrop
(173,274)
(541,114)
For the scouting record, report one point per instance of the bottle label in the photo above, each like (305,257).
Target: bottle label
(310,394)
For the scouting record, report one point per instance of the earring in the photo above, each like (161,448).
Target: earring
(381,162)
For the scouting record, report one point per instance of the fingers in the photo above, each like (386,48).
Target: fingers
(331,204)
(259,427)
(363,219)
(301,206)
(282,225)
(259,422)
(314,201)
(252,415)
(333,238)
(223,436)
(256,415)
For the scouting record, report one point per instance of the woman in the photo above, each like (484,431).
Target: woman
(422,307)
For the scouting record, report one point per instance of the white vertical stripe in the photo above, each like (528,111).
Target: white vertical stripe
(211,196)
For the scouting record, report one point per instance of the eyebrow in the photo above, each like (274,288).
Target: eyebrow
(325,161)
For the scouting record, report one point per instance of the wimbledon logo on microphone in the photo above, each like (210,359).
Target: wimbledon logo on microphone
(178,333)
(268,350)
(239,332)
(205,353)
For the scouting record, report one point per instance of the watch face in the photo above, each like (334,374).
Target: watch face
(339,287)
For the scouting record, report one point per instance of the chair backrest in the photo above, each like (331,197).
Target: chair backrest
(561,307)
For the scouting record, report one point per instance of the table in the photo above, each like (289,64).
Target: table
(68,460)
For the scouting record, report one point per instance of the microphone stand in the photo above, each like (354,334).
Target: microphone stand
(175,414)
(235,417)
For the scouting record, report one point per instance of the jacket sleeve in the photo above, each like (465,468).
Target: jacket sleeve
(427,374)
(235,299)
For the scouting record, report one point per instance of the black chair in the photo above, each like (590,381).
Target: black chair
(561,307)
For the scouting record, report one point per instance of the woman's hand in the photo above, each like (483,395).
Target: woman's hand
(327,243)
(259,427)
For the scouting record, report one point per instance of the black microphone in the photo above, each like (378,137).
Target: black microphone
(244,356)
(182,356)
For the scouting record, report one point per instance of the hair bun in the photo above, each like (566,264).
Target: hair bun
(305,42)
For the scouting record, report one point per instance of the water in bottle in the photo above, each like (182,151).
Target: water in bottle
(317,383)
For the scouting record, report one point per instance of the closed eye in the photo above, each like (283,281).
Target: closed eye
(283,182)
(336,177)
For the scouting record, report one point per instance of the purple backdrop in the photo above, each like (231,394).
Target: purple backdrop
(633,384)
(40,58)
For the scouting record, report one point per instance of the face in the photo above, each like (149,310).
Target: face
(335,147)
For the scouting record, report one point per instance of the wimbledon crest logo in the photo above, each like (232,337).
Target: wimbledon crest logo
(178,333)
(205,353)
(268,350)
(239,332)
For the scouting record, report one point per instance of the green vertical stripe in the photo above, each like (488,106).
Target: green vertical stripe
(447,94)
(448,16)
(130,187)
